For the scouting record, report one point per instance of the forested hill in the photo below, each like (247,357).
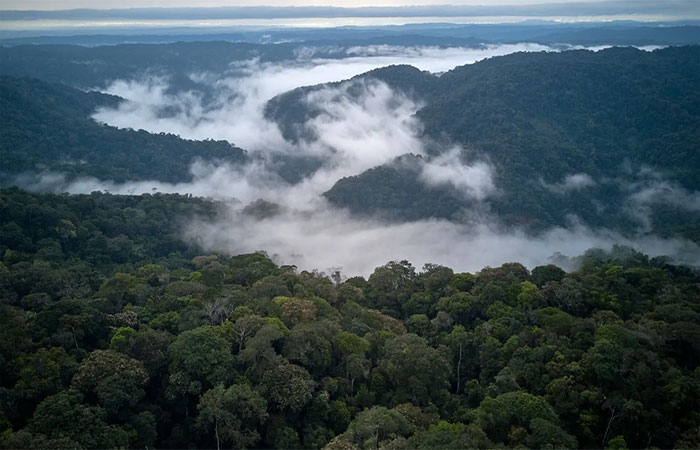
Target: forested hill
(438,34)
(551,114)
(291,111)
(115,335)
(90,67)
(618,118)
(48,126)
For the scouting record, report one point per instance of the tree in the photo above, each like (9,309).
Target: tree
(249,268)
(63,415)
(308,346)
(259,353)
(234,413)
(417,372)
(71,323)
(542,275)
(390,286)
(287,386)
(529,295)
(458,341)
(419,324)
(374,425)
(616,443)
(446,436)
(120,289)
(294,311)
(555,319)
(217,310)
(351,350)
(462,282)
(269,287)
(244,327)
(199,358)
(151,348)
(435,279)
(44,372)
(116,379)
(522,418)
(349,293)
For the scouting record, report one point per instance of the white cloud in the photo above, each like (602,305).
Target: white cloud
(652,188)
(474,181)
(573,182)
(327,237)
(352,133)
(238,117)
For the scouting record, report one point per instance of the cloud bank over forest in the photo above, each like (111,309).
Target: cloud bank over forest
(361,124)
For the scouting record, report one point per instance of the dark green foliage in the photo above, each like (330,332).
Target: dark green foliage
(538,118)
(287,386)
(392,190)
(119,351)
(233,414)
(115,379)
(44,126)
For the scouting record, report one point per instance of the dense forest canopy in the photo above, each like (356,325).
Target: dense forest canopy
(116,335)
(48,127)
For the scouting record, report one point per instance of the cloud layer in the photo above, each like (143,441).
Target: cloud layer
(329,238)
(360,125)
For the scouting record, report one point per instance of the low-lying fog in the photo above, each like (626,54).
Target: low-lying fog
(352,134)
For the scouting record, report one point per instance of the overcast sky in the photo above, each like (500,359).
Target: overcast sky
(105,4)
(634,5)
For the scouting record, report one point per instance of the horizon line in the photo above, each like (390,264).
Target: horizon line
(684,10)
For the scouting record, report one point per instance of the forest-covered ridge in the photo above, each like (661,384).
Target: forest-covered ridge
(93,67)
(48,127)
(444,34)
(116,335)
(644,94)
(610,117)
(625,121)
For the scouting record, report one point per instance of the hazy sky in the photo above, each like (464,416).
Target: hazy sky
(69,4)
(106,4)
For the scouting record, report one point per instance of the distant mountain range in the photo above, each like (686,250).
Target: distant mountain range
(440,32)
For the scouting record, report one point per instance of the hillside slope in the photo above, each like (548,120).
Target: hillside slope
(584,134)
(48,126)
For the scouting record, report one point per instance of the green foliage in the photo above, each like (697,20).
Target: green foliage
(49,126)
(119,351)
(503,416)
(377,424)
(539,118)
(116,379)
(234,414)
(287,386)
(617,443)
(199,358)
(415,371)
(64,416)
(542,275)
(444,435)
